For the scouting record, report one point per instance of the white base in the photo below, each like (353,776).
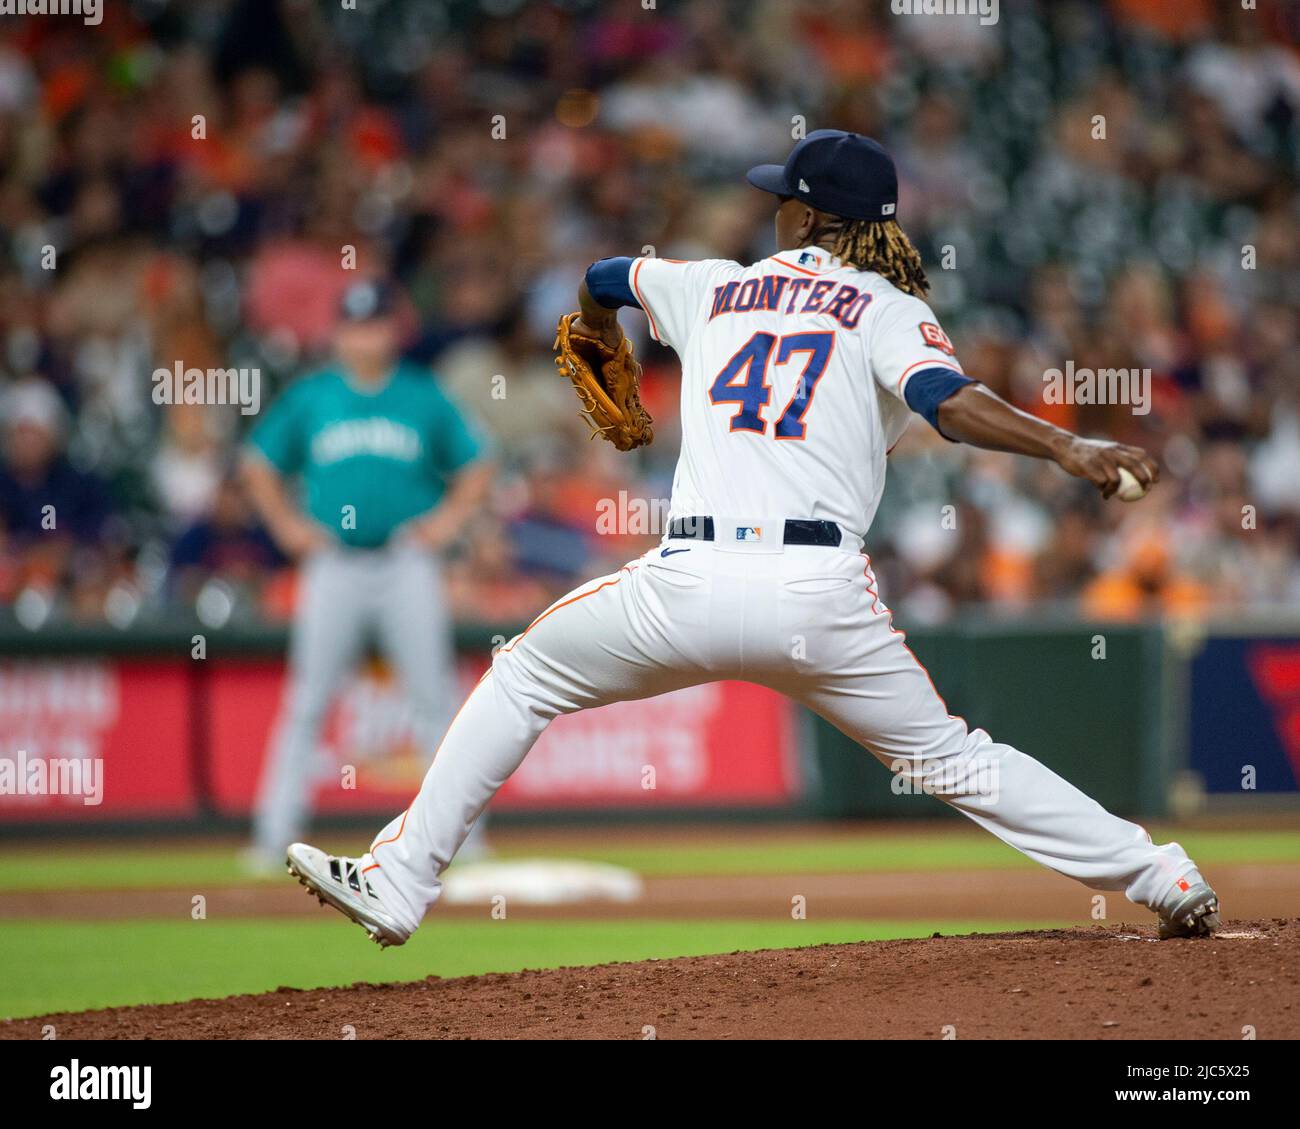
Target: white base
(539,882)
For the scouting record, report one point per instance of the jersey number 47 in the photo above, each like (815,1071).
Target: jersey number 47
(743,380)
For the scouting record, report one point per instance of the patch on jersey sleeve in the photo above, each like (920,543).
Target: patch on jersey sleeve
(935,337)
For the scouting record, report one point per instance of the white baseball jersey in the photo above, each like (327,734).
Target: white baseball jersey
(793,379)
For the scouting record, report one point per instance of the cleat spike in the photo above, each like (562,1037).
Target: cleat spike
(1195,914)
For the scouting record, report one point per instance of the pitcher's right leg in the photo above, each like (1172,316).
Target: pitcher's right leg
(883,698)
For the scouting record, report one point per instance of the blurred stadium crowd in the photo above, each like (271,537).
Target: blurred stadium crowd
(1172,243)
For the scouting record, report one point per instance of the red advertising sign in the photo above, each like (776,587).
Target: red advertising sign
(131,739)
(82,740)
(367,737)
(725,743)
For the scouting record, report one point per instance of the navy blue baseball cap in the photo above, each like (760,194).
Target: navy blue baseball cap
(368,299)
(833,171)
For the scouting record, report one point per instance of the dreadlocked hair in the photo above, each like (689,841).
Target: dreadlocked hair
(878,245)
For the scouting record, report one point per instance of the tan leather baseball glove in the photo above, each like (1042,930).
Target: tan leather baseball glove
(608,383)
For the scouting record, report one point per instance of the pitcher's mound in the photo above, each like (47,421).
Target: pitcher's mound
(1114,982)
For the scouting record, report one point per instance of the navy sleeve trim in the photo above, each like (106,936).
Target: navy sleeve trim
(929,388)
(607,280)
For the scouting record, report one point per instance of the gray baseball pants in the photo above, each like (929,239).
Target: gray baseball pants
(347,597)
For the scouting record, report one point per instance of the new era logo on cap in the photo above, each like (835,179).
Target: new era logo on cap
(887,209)
(803,185)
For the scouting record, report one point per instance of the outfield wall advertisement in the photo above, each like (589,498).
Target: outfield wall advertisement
(136,735)
(128,739)
(89,739)
(1244,730)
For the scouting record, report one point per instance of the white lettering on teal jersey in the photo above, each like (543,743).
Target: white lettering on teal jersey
(377,435)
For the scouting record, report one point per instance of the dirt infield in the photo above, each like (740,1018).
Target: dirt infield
(1248,891)
(1076,984)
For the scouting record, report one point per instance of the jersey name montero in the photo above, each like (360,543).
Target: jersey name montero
(806,296)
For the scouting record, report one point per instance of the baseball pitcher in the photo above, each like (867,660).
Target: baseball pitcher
(799,374)
(391,471)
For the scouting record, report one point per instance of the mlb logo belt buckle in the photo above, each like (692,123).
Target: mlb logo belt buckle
(752,531)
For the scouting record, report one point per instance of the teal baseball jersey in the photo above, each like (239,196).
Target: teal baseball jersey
(368,461)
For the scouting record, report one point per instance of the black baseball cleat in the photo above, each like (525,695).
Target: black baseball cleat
(342,883)
(1192,909)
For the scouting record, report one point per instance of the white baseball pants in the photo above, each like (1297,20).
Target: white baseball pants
(806,621)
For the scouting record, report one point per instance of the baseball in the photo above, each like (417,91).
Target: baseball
(1130,489)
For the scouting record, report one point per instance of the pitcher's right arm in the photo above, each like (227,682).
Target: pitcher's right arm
(976,415)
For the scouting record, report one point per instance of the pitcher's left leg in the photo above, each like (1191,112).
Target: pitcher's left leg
(611,640)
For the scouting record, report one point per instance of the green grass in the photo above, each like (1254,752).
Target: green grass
(54,966)
(736,852)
